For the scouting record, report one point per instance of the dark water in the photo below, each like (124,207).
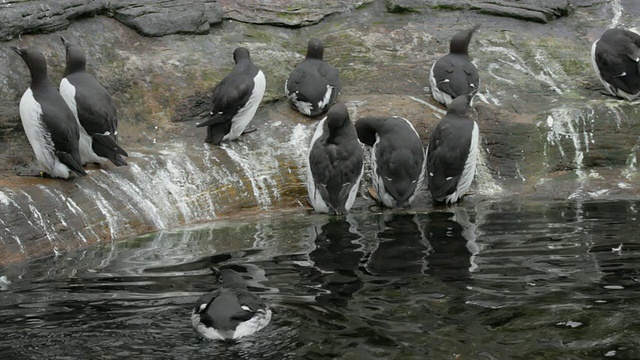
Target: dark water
(476,281)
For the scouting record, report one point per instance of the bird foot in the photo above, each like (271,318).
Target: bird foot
(27,171)
(373,193)
(249,129)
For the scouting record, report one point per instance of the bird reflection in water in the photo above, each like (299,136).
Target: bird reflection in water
(453,242)
(336,260)
(402,248)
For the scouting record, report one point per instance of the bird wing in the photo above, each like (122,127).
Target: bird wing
(228,97)
(96,111)
(443,165)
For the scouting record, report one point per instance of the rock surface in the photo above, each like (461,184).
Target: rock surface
(547,131)
(532,10)
(163,17)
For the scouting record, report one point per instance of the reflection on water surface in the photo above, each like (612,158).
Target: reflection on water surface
(475,281)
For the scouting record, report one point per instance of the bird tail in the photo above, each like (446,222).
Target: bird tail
(68,160)
(215,119)
(106,146)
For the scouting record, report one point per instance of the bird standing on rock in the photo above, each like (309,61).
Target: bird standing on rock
(454,74)
(397,158)
(313,85)
(50,125)
(235,100)
(335,163)
(452,154)
(93,108)
(615,57)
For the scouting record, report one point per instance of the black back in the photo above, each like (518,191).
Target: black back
(336,158)
(56,115)
(96,111)
(230,95)
(454,73)
(618,52)
(448,149)
(224,309)
(399,154)
(310,78)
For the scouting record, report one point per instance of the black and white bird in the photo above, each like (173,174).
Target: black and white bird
(615,57)
(93,108)
(231,311)
(235,100)
(313,85)
(452,153)
(397,158)
(50,126)
(336,163)
(454,74)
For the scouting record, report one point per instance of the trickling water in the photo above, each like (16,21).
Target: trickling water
(546,71)
(617,10)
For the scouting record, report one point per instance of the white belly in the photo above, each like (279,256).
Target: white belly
(246,114)
(87,154)
(39,136)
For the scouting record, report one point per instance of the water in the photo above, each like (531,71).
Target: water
(484,280)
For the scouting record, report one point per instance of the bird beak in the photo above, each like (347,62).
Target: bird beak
(64,42)
(17,50)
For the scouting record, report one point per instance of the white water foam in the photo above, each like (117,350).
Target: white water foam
(572,124)
(549,70)
(616,9)
(258,165)
(631,168)
(111,215)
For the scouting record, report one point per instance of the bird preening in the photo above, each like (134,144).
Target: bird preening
(335,163)
(231,311)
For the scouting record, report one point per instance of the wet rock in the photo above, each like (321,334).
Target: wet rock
(296,13)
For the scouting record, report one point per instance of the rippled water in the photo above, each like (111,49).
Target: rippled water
(477,281)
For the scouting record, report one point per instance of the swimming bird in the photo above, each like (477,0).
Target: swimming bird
(50,126)
(313,85)
(454,74)
(231,311)
(335,163)
(615,57)
(235,100)
(452,153)
(397,158)
(93,108)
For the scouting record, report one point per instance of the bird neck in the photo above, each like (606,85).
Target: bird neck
(74,67)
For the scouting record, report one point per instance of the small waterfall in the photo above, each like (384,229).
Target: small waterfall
(616,8)
(168,185)
(632,163)
(510,62)
(576,126)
